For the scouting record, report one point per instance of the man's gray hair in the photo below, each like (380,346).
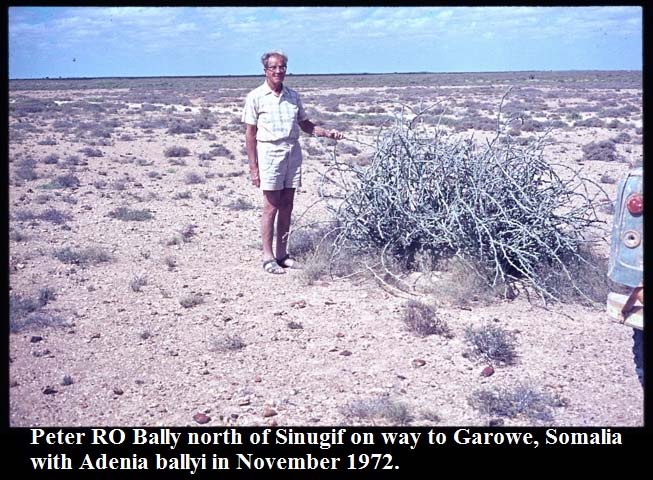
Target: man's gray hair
(274,53)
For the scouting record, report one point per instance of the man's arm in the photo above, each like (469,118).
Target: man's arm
(250,145)
(312,129)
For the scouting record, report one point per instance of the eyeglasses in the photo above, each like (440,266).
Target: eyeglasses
(277,67)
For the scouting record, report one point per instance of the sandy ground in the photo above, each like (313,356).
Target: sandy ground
(257,349)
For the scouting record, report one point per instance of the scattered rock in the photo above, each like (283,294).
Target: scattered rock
(298,304)
(14,383)
(345,353)
(41,353)
(418,362)
(36,338)
(67,380)
(118,390)
(258,379)
(329,302)
(496,422)
(487,371)
(295,325)
(269,412)
(340,335)
(272,423)
(49,390)
(201,418)
(244,402)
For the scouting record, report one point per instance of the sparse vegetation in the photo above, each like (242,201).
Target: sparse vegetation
(377,409)
(177,152)
(82,256)
(604,151)
(227,343)
(519,401)
(127,214)
(138,282)
(492,343)
(240,204)
(192,300)
(25,312)
(422,320)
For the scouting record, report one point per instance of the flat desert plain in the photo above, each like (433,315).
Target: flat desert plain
(137,294)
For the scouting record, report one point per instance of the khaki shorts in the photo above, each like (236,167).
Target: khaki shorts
(279,164)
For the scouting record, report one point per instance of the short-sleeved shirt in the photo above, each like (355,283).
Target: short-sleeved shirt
(276,118)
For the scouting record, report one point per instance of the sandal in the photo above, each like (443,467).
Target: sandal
(271,266)
(289,262)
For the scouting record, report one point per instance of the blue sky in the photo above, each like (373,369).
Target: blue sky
(185,41)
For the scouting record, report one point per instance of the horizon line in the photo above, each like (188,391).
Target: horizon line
(136,77)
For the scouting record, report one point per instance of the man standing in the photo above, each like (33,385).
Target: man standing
(273,116)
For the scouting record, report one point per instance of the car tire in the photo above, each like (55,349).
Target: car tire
(638,353)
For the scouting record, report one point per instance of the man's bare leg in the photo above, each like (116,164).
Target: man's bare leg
(286,201)
(271,203)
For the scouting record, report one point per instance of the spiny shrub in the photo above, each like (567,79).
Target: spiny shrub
(500,205)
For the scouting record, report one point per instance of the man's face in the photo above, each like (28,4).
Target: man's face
(275,71)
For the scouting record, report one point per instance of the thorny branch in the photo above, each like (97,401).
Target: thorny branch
(499,206)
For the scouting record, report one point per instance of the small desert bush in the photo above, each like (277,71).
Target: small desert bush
(240,204)
(55,216)
(91,152)
(623,137)
(348,149)
(422,320)
(608,178)
(377,410)
(604,151)
(179,127)
(176,152)
(227,343)
(130,215)
(51,215)
(219,150)
(137,283)
(17,236)
(170,262)
(25,311)
(192,300)
(193,178)
(68,180)
(47,141)
(518,401)
(51,159)
(82,256)
(492,343)
(36,320)
(185,195)
(25,170)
